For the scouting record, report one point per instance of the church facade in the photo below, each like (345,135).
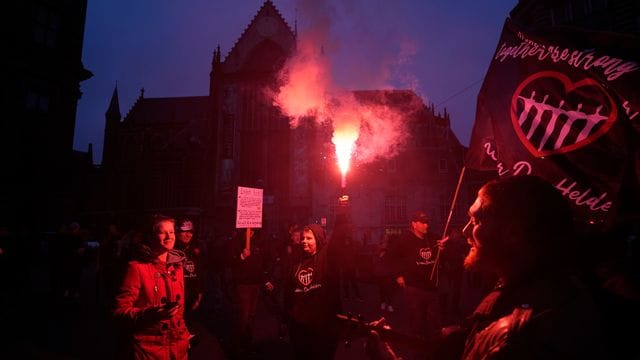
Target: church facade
(186,156)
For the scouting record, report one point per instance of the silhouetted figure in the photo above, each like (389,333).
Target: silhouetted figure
(112,262)
(68,257)
(194,270)
(386,283)
(249,263)
(348,260)
(451,278)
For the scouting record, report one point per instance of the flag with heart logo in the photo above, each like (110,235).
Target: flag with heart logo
(564,104)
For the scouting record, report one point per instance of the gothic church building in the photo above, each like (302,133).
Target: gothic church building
(186,156)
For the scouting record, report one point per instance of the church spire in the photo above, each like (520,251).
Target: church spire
(215,69)
(113,112)
(111,128)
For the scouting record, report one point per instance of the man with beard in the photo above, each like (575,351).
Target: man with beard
(521,230)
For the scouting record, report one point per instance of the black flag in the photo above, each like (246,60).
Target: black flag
(564,104)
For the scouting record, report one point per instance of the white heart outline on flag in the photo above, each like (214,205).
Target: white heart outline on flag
(568,87)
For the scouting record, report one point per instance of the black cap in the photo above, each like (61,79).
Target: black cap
(420,216)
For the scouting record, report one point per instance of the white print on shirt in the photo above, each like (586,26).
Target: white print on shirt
(305,276)
(425,256)
(190,269)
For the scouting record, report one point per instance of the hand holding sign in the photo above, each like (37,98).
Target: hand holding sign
(249,208)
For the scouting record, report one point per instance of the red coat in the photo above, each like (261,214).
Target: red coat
(147,285)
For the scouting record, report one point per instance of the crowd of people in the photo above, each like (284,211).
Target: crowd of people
(160,285)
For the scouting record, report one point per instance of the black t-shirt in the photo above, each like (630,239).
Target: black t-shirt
(194,267)
(413,258)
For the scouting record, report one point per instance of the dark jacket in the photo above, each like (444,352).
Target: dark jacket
(194,268)
(254,270)
(413,258)
(312,296)
(549,316)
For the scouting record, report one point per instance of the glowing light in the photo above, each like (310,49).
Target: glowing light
(344,138)
(376,127)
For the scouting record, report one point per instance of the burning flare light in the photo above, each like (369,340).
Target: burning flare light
(344,138)
(307,92)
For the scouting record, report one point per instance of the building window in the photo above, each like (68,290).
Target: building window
(444,204)
(45,27)
(228,135)
(37,101)
(395,209)
(157,188)
(568,11)
(558,14)
(443,165)
(579,9)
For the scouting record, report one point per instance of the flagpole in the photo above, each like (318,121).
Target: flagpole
(446,226)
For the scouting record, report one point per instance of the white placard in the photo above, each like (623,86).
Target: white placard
(249,208)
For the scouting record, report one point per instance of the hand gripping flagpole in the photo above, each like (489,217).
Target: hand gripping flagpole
(436,263)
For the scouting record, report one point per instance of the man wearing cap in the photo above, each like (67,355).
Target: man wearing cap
(413,258)
(194,271)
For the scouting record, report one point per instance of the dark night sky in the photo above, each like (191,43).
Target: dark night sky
(438,48)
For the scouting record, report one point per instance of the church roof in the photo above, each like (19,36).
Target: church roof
(408,102)
(267,24)
(170,110)
(402,98)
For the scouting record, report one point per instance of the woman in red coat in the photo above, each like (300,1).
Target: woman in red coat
(150,301)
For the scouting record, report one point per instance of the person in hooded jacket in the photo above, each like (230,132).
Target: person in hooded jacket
(312,294)
(150,301)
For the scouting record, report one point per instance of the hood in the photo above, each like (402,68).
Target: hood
(143,252)
(318,232)
(175,256)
